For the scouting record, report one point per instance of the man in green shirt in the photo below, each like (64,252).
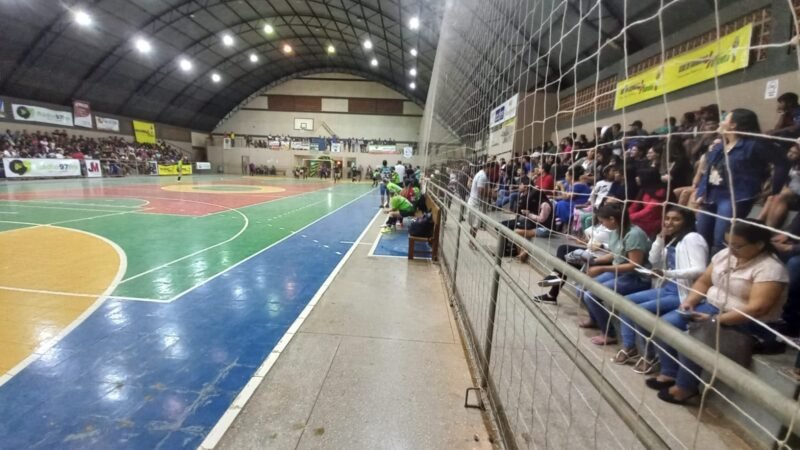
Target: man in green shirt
(400,207)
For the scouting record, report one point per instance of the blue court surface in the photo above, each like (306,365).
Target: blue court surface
(149,375)
(396,244)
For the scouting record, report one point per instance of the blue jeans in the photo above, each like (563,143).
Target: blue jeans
(503,197)
(624,284)
(658,301)
(713,229)
(791,311)
(667,356)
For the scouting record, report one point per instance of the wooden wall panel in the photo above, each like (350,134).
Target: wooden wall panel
(389,106)
(361,105)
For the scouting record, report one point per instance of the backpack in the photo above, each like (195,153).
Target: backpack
(421,226)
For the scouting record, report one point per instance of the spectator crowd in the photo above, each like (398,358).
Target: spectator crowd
(695,221)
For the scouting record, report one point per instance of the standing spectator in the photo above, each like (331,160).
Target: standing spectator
(477,195)
(401,170)
(747,159)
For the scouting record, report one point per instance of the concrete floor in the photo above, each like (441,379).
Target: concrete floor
(378,364)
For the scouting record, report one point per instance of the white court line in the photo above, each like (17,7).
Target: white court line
(9,212)
(291,233)
(77,294)
(48,202)
(224,423)
(22,204)
(123,266)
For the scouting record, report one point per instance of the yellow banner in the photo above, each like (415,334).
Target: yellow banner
(145,132)
(729,54)
(172,169)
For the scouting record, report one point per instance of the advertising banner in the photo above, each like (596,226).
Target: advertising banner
(93,168)
(145,132)
(298,145)
(380,148)
(728,54)
(202,166)
(274,145)
(172,169)
(502,124)
(38,167)
(28,113)
(105,123)
(83,113)
(336,147)
(504,112)
(2,109)
(408,152)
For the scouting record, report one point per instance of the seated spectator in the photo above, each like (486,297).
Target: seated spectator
(789,117)
(744,280)
(646,212)
(573,194)
(544,180)
(678,257)
(654,155)
(679,171)
(628,249)
(777,206)
(789,251)
(747,159)
(400,207)
(585,213)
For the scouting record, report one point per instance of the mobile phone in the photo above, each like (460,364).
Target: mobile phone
(686,313)
(643,271)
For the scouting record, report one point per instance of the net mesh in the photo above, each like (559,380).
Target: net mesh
(576,99)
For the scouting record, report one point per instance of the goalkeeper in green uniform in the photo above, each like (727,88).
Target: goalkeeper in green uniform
(180,168)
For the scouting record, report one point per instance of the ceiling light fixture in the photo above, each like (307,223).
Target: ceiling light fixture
(367,44)
(413,23)
(331,49)
(185,64)
(215,77)
(413,52)
(82,18)
(287,48)
(413,72)
(374,62)
(253,58)
(412,85)
(143,45)
(268,29)
(227,39)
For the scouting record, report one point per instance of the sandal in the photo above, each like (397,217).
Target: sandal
(603,340)
(626,356)
(587,323)
(645,366)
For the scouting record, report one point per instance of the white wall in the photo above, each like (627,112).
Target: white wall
(746,95)
(262,122)
(231,159)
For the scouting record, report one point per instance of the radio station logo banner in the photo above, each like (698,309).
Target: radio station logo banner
(93,168)
(42,168)
(144,132)
(30,113)
(728,54)
(83,113)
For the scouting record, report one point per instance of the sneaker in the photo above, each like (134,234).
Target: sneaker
(545,298)
(550,280)
(386,229)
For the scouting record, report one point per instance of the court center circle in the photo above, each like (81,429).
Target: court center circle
(222,188)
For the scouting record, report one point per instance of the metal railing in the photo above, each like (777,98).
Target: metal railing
(488,293)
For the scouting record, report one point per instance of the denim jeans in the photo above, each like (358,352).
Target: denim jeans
(712,228)
(506,197)
(667,356)
(791,311)
(658,301)
(623,284)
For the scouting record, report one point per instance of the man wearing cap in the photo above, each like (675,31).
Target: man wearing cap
(636,129)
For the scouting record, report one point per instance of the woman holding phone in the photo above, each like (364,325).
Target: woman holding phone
(744,280)
(678,257)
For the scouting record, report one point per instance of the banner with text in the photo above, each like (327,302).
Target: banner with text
(41,168)
(28,113)
(172,169)
(105,123)
(379,148)
(83,113)
(202,166)
(145,132)
(93,168)
(728,54)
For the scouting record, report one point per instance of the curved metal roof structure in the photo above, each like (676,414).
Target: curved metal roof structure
(45,55)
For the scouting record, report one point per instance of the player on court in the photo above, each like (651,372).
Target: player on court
(180,168)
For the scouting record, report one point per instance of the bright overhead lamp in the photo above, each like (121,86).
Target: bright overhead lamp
(268,29)
(413,23)
(143,45)
(374,62)
(253,58)
(215,77)
(367,44)
(185,64)
(413,52)
(412,85)
(287,48)
(331,49)
(82,18)
(413,72)
(227,39)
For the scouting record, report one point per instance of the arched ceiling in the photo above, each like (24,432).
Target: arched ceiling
(45,55)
